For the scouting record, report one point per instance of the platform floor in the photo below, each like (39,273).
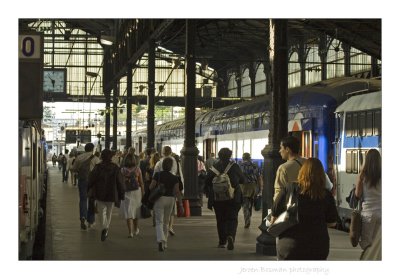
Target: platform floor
(195,239)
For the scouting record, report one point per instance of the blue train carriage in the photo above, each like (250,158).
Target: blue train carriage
(240,127)
(31,185)
(311,120)
(358,129)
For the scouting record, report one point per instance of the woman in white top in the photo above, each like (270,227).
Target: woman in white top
(369,189)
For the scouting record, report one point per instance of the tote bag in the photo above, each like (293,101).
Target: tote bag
(288,218)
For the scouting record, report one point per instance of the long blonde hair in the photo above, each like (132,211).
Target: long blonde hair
(311,179)
(155,157)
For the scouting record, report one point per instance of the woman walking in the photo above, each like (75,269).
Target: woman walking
(309,239)
(369,190)
(130,207)
(164,205)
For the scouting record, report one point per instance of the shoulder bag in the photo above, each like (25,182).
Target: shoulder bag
(355,225)
(157,191)
(288,218)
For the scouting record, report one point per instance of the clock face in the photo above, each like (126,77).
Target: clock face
(54,80)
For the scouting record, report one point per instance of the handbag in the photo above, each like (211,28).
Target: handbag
(286,219)
(145,211)
(355,225)
(257,202)
(157,191)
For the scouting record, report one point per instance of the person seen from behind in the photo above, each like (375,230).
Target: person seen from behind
(369,190)
(309,239)
(251,187)
(130,206)
(226,211)
(83,165)
(164,206)
(106,187)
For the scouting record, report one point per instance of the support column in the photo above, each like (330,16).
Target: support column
(129,106)
(115,115)
(323,55)
(346,50)
(278,56)
(374,67)
(238,79)
(107,77)
(108,119)
(252,76)
(150,96)
(302,58)
(189,151)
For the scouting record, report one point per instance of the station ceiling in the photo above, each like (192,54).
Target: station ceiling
(226,42)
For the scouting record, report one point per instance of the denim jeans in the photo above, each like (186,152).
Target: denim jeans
(83,201)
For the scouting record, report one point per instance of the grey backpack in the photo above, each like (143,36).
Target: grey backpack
(222,186)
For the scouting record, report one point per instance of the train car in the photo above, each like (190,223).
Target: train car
(358,129)
(32,173)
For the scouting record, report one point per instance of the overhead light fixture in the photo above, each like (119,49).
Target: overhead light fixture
(106,40)
(91,74)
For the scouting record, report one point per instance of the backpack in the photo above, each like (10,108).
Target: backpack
(221,184)
(131,183)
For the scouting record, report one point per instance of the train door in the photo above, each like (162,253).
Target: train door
(305,138)
(208,147)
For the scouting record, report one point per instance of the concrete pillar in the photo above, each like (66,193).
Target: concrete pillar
(278,56)
(189,151)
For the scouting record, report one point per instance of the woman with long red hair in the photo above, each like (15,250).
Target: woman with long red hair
(309,239)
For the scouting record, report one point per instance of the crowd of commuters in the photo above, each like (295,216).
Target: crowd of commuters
(125,180)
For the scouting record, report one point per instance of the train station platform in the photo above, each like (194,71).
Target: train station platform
(195,239)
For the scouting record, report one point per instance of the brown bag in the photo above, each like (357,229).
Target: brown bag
(355,226)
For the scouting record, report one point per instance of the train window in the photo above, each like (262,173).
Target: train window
(348,127)
(241,123)
(368,123)
(34,160)
(354,161)
(377,123)
(234,125)
(265,121)
(354,124)
(361,124)
(249,122)
(362,156)
(348,162)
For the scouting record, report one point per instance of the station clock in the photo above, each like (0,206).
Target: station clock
(54,80)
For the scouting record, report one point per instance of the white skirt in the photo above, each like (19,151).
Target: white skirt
(130,207)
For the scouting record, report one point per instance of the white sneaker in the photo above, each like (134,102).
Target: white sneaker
(137,231)
(130,235)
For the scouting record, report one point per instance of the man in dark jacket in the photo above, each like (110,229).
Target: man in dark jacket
(106,186)
(226,211)
(83,165)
